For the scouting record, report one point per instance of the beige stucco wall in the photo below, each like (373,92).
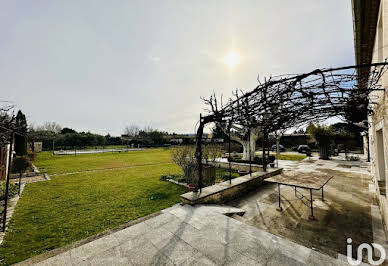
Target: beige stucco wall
(379,119)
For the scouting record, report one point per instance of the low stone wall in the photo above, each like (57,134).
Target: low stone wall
(225,191)
(237,166)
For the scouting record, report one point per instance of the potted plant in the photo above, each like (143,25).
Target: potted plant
(192,187)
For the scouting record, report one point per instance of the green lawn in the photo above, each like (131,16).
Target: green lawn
(290,157)
(68,208)
(56,164)
(223,175)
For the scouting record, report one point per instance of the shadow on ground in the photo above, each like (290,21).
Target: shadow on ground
(346,212)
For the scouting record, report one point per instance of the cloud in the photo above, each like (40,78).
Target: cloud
(90,65)
(154,59)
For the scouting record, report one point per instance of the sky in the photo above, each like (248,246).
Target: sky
(98,66)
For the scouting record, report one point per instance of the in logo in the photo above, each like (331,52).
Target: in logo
(369,251)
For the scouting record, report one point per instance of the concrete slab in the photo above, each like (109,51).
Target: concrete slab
(186,235)
(346,212)
(204,235)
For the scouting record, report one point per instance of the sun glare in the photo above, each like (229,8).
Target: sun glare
(232,59)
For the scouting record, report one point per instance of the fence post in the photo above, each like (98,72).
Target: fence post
(20,181)
(7,182)
(249,151)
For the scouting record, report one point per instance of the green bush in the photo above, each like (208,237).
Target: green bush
(20,164)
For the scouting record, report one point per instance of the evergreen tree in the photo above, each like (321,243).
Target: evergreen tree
(20,137)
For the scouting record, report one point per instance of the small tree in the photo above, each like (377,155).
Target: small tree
(212,152)
(132,131)
(323,136)
(20,138)
(310,128)
(184,157)
(51,127)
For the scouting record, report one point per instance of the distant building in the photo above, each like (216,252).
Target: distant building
(176,141)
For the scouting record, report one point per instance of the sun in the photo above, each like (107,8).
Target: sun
(232,59)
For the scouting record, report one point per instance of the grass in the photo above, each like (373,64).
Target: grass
(57,164)
(223,175)
(12,191)
(282,156)
(71,207)
(291,157)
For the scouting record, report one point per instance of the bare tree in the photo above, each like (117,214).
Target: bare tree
(247,137)
(50,126)
(212,152)
(132,131)
(184,157)
(148,129)
(7,119)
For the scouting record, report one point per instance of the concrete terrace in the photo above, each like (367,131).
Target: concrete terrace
(185,235)
(349,210)
(204,235)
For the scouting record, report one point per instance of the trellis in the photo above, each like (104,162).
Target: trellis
(287,101)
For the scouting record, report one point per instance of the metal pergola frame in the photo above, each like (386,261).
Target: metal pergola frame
(288,101)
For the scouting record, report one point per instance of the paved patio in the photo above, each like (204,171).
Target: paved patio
(185,235)
(349,209)
(204,235)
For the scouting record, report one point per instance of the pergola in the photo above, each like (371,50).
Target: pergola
(287,101)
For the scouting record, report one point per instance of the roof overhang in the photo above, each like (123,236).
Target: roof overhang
(365,17)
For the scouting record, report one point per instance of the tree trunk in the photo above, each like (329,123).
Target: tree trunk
(324,152)
(277,150)
(249,147)
(245,150)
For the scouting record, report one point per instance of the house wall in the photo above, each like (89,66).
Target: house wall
(378,131)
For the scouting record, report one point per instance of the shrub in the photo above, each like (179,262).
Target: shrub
(20,164)
(212,152)
(184,157)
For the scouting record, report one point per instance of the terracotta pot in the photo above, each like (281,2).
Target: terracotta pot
(192,187)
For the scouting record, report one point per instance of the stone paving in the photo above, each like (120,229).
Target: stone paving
(199,235)
(349,209)
(185,235)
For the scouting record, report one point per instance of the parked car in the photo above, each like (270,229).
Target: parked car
(304,149)
(281,147)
